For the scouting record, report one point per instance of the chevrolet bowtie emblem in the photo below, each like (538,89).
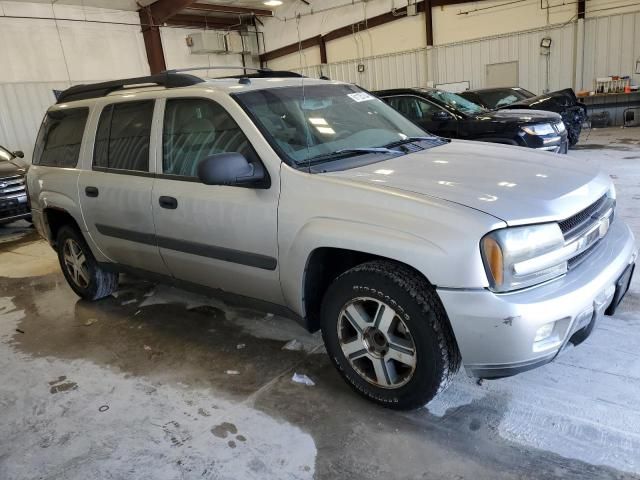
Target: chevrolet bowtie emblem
(604,226)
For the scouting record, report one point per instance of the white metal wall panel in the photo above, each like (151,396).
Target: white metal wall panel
(22,107)
(612,46)
(468,60)
(405,69)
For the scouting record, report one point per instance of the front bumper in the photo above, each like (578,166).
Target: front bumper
(14,208)
(556,142)
(496,332)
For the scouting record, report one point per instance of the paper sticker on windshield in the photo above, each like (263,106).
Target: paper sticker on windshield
(360,96)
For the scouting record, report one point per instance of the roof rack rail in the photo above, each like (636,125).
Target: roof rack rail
(167,79)
(259,72)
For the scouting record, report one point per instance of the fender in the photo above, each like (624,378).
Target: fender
(425,256)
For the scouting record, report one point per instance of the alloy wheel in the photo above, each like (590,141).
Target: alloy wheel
(376,342)
(76,263)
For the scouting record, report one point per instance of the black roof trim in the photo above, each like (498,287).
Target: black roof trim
(268,74)
(97,90)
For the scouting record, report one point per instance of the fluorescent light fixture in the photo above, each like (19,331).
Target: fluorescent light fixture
(383,172)
(273,3)
(327,130)
(507,184)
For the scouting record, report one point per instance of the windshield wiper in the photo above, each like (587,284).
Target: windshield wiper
(356,151)
(434,139)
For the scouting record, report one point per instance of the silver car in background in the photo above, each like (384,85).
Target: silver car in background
(315,200)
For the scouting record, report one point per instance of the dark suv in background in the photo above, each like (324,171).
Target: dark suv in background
(563,102)
(452,116)
(14,204)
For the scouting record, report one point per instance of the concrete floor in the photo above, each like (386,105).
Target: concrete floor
(156,383)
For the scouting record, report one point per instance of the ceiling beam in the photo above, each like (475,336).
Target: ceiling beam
(162,10)
(582,6)
(207,7)
(152,42)
(423,6)
(202,21)
(428,20)
(291,48)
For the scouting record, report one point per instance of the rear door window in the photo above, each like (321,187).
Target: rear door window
(122,138)
(60,137)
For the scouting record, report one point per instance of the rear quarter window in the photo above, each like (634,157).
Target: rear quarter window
(123,136)
(60,137)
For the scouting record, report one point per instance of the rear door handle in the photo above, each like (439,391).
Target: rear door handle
(91,191)
(168,202)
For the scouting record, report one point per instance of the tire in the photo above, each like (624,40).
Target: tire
(89,281)
(574,135)
(410,316)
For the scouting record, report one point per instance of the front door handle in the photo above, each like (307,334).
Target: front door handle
(168,202)
(91,191)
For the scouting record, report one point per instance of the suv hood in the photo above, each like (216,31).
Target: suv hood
(554,101)
(8,169)
(520,116)
(513,184)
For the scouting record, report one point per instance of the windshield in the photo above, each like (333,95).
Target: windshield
(456,102)
(502,98)
(305,126)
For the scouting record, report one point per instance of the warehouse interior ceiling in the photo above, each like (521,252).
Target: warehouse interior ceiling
(198,7)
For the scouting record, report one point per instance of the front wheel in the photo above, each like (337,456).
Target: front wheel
(80,268)
(387,333)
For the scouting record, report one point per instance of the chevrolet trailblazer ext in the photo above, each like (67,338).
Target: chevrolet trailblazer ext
(412,253)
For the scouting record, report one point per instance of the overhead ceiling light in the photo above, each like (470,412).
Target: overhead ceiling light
(273,3)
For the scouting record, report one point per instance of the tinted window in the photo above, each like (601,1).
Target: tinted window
(122,138)
(501,98)
(193,130)
(455,101)
(413,108)
(59,138)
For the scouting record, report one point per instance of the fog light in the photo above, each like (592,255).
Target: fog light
(544,332)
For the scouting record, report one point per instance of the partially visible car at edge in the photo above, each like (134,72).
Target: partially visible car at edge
(450,115)
(14,204)
(563,102)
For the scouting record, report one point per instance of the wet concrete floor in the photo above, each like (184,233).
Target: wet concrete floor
(157,383)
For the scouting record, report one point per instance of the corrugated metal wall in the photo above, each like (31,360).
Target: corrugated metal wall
(612,46)
(22,106)
(468,60)
(406,69)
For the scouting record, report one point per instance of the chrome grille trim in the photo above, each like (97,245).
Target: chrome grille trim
(585,227)
(577,224)
(13,186)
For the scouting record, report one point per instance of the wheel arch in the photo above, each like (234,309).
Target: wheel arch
(325,248)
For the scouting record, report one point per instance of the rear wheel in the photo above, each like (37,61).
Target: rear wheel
(80,268)
(387,334)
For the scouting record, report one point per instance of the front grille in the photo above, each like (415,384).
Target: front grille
(12,186)
(584,227)
(583,219)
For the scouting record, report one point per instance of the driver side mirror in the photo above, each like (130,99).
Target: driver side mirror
(441,116)
(232,169)
(18,153)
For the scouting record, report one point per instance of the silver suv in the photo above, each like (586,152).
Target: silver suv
(316,200)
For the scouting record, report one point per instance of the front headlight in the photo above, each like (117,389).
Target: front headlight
(539,129)
(519,257)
